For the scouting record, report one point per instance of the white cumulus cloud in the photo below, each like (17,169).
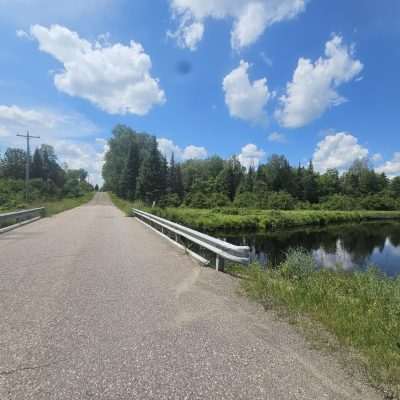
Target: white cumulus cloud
(167,147)
(391,167)
(245,99)
(250,18)
(116,77)
(251,155)
(43,122)
(313,88)
(89,156)
(64,131)
(338,151)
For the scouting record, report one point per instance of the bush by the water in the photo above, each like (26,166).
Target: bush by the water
(245,219)
(362,309)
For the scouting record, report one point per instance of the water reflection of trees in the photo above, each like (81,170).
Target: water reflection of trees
(357,240)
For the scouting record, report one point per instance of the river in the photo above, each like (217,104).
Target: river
(353,246)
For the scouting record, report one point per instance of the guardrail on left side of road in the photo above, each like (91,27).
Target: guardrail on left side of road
(12,220)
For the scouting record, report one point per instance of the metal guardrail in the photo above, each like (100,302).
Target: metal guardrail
(223,250)
(18,217)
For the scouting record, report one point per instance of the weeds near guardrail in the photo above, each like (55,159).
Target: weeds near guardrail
(362,309)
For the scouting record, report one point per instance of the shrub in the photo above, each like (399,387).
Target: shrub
(340,202)
(170,200)
(246,200)
(219,200)
(278,201)
(198,200)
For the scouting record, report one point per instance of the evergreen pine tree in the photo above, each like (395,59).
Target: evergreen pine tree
(130,173)
(171,178)
(151,183)
(310,184)
(179,189)
(230,177)
(37,165)
(45,164)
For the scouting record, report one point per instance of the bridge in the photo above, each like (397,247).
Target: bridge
(95,305)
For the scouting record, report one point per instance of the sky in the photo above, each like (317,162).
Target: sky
(310,79)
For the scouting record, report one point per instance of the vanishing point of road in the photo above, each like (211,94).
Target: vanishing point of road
(94,305)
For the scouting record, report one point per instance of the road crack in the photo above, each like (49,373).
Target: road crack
(29,368)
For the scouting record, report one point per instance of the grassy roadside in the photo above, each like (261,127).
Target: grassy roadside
(126,206)
(361,309)
(57,206)
(231,219)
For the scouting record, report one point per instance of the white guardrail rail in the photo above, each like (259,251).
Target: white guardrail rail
(12,220)
(174,232)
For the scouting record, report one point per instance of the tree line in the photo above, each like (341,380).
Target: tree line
(135,169)
(48,179)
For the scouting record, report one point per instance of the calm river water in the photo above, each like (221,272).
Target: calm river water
(354,246)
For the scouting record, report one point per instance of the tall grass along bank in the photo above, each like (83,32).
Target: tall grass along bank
(362,309)
(237,219)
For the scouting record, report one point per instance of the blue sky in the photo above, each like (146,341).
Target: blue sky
(309,79)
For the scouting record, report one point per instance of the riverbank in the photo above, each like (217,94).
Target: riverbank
(361,309)
(254,220)
(236,219)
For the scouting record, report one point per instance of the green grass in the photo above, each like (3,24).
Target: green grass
(253,220)
(232,219)
(361,309)
(126,206)
(53,207)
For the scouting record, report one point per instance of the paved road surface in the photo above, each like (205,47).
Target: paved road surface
(94,305)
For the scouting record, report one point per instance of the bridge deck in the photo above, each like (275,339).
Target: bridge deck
(94,305)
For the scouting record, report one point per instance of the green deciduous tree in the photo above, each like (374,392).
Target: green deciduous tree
(13,163)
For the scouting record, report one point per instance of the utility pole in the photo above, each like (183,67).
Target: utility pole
(28,160)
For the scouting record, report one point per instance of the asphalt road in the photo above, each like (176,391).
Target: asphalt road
(94,305)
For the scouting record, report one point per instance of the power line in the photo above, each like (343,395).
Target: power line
(28,160)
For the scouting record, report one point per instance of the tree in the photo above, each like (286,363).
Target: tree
(248,181)
(179,189)
(174,179)
(14,163)
(395,186)
(310,184)
(329,182)
(117,154)
(130,173)
(278,174)
(230,177)
(151,183)
(83,174)
(37,165)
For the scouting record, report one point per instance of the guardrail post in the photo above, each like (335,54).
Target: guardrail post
(219,263)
